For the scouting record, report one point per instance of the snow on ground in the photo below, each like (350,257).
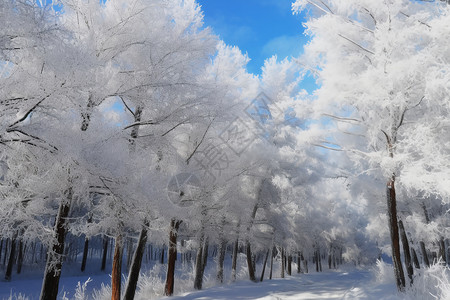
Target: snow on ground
(352,284)
(327,285)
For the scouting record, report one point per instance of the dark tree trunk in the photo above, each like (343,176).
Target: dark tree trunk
(205,254)
(171,258)
(129,253)
(85,254)
(116,273)
(264,266)
(406,251)
(20,257)
(414,257)
(282,262)
(198,280)
(55,254)
(289,265)
(272,253)
(221,252)
(11,259)
(305,263)
(424,254)
(234,259)
(135,268)
(316,259)
(299,261)
(442,252)
(6,251)
(251,269)
(105,251)
(161,258)
(395,239)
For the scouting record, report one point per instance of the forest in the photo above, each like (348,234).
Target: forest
(134,143)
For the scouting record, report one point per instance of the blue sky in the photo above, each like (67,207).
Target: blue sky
(260,28)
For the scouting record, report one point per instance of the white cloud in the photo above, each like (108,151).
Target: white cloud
(283,46)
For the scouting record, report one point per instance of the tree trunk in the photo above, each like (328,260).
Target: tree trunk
(316,259)
(171,258)
(299,261)
(251,269)
(414,257)
(406,251)
(55,254)
(205,255)
(85,254)
(161,258)
(116,273)
(305,263)
(220,260)
(289,265)
(105,251)
(20,258)
(442,252)
(135,268)
(11,259)
(271,262)
(234,260)
(282,263)
(198,280)
(424,254)
(395,240)
(264,266)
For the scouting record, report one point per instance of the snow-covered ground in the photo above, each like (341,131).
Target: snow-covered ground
(354,284)
(349,282)
(327,285)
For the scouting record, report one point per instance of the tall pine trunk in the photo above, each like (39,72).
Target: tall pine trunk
(53,267)
(171,258)
(116,273)
(395,239)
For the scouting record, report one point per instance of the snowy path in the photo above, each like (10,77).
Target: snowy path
(327,285)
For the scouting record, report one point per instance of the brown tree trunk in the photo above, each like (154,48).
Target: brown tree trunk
(171,258)
(53,267)
(395,239)
(406,251)
(116,273)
